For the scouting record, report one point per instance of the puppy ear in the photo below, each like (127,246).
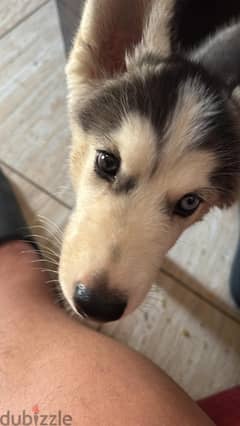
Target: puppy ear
(111,28)
(220,55)
(108,28)
(157,31)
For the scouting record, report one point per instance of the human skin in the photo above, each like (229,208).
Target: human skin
(51,360)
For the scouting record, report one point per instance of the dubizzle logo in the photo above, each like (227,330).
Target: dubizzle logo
(35,418)
(35,409)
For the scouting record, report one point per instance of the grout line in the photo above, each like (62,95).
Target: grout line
(200,296)
(9,30)
(39,187)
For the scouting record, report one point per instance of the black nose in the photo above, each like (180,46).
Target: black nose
(99,303)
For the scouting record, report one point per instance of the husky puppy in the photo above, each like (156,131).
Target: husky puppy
(155,144)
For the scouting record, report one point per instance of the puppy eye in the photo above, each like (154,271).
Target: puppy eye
(187,205)
(106,165)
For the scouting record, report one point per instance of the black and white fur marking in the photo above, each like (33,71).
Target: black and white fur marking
(167,109)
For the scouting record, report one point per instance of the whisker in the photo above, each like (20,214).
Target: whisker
(52,236)
(53,271)
(44,261)
(40,237)
(31,251)
(46,248)
(51,223)
(46,229)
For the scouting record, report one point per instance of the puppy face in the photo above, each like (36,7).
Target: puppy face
(155,144)
(148,160)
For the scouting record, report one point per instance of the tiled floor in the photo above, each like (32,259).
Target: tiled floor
(188,325)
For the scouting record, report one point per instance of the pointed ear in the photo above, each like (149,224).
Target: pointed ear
(108,28)
(111,28)
(220,55)
(157,31)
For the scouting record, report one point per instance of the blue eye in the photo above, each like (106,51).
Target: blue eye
(106,165)
(187,205)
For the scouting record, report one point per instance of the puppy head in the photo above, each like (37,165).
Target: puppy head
(154,147)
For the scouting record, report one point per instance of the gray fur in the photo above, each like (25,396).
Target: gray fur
(220,55)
